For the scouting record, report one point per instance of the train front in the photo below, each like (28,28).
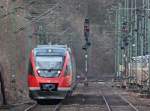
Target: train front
(46,79)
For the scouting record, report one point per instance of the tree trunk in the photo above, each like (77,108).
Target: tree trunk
(2,86)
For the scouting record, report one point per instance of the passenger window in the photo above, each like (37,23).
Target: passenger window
(30,68)
(68,69)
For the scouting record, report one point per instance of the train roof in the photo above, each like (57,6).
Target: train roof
(48,50)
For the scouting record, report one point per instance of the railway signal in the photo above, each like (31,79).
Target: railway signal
(86,29)
(86,46)
(86,34)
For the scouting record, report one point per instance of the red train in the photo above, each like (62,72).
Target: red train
(51,72)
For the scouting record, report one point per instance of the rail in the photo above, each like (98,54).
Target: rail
(124,99)
(30,108)
(107,104)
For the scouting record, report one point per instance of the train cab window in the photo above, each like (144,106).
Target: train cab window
(30,68)
(49,66)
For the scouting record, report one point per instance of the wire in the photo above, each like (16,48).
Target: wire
(49,11)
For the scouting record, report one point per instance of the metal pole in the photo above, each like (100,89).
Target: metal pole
(135,42)
(116,47)
(149,46)
(86,34)
(121,43)
(86,68)
(130,42)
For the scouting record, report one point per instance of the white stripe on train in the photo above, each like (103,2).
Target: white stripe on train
(34,88)
(64,88)
(59,88)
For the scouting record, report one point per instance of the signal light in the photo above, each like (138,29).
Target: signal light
(88,43)
(122,48)
(86,29)
(86,34)
(87,20)
(85,47)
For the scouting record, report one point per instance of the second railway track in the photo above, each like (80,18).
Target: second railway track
(116,102)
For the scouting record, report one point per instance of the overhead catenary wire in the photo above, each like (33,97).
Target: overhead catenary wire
(132,40)
(49,11)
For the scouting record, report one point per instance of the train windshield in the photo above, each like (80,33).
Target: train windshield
(49,66)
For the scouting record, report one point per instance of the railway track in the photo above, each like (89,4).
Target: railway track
(95,97)
(97,101)
(107,104)
(17,106)
(30,108)
(85,99)
(129,107)
(37,107)
(125,105)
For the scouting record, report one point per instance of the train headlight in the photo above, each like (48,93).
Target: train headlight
(38,71)
(59,72)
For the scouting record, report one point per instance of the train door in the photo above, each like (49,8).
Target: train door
(68,71)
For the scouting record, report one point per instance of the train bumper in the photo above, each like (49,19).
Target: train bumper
(39,94)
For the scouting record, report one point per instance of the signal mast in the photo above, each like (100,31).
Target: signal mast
(86,47)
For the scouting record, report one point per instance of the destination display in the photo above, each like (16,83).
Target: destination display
(49,52)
